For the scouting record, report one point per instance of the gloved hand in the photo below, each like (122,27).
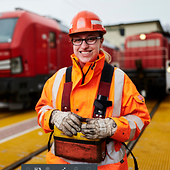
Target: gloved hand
(98,128)
(66,122)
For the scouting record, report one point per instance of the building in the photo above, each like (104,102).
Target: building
(116,33)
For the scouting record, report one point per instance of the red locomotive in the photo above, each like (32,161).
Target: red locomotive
(146,60)
(32,48)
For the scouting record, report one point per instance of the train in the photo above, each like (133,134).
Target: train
(32,49)
(146,60)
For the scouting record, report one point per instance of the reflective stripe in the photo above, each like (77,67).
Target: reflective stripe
(119,82)
(56,84)
(132,127)
(42,111)
(94,22)
(136,119)
(111,157)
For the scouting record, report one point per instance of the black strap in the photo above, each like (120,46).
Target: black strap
(107,73)
(49,141)
(135,161)
(65,103)
(68,74)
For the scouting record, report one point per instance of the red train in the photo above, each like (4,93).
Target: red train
(146,60)
(32,48)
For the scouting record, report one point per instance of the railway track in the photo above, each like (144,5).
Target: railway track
(25,159)
(29,155)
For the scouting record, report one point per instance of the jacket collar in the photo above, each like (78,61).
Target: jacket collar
(96,68)
(97,65)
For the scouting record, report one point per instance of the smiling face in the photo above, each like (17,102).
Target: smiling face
(85,52)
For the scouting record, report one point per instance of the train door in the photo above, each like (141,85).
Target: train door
(41,49)
(46,50)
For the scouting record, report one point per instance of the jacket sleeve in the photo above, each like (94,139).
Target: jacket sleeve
(134,115)
(44,107)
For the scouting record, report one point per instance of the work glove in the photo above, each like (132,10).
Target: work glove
(66,122)
(98,128)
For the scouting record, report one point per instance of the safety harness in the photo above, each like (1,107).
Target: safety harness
(64,145)
(101,103)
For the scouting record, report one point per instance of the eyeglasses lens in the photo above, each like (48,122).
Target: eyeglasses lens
(88,40)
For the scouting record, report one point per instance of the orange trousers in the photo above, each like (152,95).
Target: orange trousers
(52,159)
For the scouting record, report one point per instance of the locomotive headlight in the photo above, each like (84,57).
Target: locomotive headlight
(16,65)
(142,36)
(168,69)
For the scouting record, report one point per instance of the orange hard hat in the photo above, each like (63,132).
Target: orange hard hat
(86,21)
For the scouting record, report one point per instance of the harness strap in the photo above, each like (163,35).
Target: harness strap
(68,74)
(101,103)
(105,80)
(65,105)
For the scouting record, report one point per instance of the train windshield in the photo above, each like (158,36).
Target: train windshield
(6,29)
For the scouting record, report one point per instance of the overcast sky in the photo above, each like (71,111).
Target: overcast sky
(110,11)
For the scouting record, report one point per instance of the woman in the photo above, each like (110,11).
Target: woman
(125,117)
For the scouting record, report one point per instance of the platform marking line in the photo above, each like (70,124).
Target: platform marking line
(19,134)
(18,123)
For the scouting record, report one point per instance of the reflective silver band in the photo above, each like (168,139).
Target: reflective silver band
(132,127)
(56,84)
(94,22)
(137,120)
(118,89)
(42,111)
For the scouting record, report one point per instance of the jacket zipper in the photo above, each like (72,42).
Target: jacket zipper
(84,75)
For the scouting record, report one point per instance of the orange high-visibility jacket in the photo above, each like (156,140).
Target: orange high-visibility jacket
(128,108)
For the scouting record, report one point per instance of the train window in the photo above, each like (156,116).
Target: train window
(6,29)
(157,42)
(135,44)
(52,37)
(151,43)
(143,43)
